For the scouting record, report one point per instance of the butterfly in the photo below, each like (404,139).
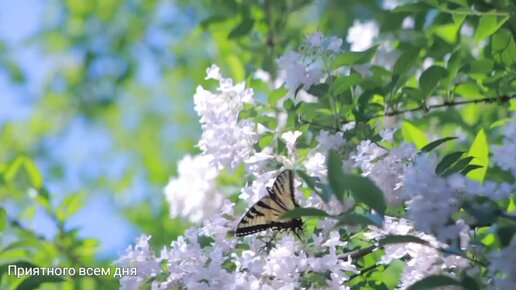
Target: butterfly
(268,212)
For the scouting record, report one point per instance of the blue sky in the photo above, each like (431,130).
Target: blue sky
(18,21)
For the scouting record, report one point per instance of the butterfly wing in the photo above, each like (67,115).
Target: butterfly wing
(282,190)
(268,212)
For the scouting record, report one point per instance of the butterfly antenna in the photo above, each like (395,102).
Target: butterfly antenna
(268,244)
(295,232)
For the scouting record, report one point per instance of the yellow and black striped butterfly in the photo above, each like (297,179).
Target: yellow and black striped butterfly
(268,212)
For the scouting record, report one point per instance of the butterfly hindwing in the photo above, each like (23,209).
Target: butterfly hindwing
(268,212)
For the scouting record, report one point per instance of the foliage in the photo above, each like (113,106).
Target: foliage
(401,137)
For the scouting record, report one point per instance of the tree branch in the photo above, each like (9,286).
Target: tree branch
(424,107)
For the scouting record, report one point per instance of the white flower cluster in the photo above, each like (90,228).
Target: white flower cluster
(206,258)
(361,34)
(503,267)
(432,200)
(420,260)
(315,164)
(193,194)
(305,68)
(504,155)
(385,167)
(226,139)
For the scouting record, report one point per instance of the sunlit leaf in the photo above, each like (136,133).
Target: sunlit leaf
(489,24)
(432,145)
(479,150)
(412,134)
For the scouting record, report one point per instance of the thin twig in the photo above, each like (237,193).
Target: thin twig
(358,253)
(501,99)
(364,271)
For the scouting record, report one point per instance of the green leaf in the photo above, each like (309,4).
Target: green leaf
(354,57)
(317,186)
(430,78)
(447,162)
(432,145)
(365,190)
(412,7)
(354,219)
(242,29)
(480,151)
(405,61)
(335,175)
(277,94)
(401,239)
(434,281)
(24,172)
(503,47)
(470,168)
(34,282)
(458,166)
(489,24)
(20,264)
(344,83)
(69,205)
(306,211)
(319,90)
(469,283)
(3,216)
(412,134)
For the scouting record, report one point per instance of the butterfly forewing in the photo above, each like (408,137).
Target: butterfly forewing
(268,212)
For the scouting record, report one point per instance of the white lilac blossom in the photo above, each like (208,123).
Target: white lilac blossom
(298,72)
(306,67)
(432,200)
(385,167)
(228,140)
(503,155)
(205,258)
(315,165)
(361,34)
(193,194)
(290,138)
(141,257)
(503,267)
(420,260)
(258,187)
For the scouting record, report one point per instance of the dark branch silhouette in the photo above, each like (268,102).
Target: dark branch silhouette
(424,107)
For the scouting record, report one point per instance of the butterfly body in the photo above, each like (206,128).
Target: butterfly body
(267,213)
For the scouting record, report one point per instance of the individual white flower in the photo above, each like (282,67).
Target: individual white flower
(226,139)
(314,39)
(335,44)
(408,23)
(327,141)
(193,193)
(388,134)
(361,34)
(290,138)
(315,165)
(213,72)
